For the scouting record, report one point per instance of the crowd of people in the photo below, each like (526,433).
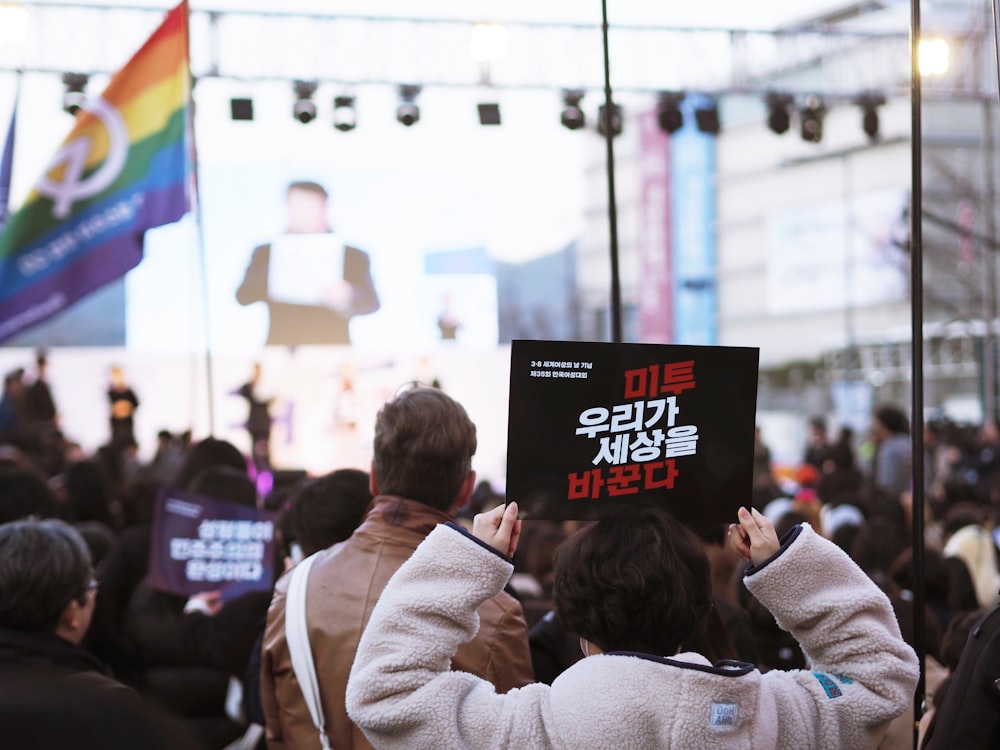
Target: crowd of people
(415,610)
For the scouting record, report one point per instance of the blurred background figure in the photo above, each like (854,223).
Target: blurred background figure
(123,402)
(258,422)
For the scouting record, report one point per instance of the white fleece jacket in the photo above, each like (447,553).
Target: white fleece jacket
(402,694)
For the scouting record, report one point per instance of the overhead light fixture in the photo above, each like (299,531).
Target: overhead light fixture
(811,115)
(706,117)
(612,117)
(779,117)
(668,114)
(408,112)
(344,115)
(241,108)
(933,57)
(304,108)
(572,116)
(869,104)
(74,97)
(489,114)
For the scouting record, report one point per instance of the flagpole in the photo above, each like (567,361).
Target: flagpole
(200,228)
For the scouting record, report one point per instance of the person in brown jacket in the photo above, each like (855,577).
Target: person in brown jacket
(421,475)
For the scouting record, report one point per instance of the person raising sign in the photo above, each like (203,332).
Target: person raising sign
(635,588)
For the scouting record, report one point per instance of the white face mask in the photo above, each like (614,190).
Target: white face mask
(585,646)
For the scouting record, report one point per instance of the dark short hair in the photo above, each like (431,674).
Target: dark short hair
(307,186)
(24,492)
(892,418)
(44,565)
(328,509)
(225,483)
(423,448)
(637,580)
(206,454)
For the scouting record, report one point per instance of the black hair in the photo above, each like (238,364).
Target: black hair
(208,453)
(637,580)
(328,509)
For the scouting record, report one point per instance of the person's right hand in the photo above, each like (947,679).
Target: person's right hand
(754,536)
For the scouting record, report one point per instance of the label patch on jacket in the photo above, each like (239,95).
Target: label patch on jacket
(829,686)
(725,714)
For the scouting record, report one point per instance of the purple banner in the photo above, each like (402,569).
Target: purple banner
(203,544)
(655,296)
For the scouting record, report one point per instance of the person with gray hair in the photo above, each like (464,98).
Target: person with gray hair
(50,687)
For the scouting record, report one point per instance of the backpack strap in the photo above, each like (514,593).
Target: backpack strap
(297,638)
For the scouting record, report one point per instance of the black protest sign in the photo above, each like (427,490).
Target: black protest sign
(593,424)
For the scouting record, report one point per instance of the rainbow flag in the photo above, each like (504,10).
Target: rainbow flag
(123,169)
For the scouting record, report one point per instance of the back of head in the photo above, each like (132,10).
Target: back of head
(637,580)
(225,483)
(328,509)
(206,454)
(44,565)
(24,492)
(423,448)
(893,419)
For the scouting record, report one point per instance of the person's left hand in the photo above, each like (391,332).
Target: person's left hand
(499,528)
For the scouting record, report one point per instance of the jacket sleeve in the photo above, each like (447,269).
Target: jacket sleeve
(862,672)
(273,633)
(401,691)
(254,286)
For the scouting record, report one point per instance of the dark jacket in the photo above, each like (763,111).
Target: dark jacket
(295,325)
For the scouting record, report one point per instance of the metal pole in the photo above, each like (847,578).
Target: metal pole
(199,223)
(616,294)
(917,359)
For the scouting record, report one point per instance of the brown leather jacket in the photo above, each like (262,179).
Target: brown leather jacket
(344,584)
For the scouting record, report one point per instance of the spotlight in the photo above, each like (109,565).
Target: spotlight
(869,104)
(779,119)
(241,109)
(408,112)
(572,115)
(304,109)
(811,119)
(707,118)
(344,116)
(489,114)
(74,97)
(612,118)
(669,114)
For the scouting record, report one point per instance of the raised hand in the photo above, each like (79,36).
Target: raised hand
(754,536)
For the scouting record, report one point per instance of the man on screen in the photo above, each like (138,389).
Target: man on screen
(312,283)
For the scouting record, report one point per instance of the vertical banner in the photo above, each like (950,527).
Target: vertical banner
(203,544)
(594,424)
(693,198)
(656,324)
(7,163)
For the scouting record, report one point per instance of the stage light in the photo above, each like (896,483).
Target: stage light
(489,114)
(14,23)
(869,104)
(488,42)
(933,57)
(613,118)
(408,112)
(779,119)
(74,97)
(304,108)
(241,108)
(572,115)
(707,118)
(811,115)
(669,115)
(344,115)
